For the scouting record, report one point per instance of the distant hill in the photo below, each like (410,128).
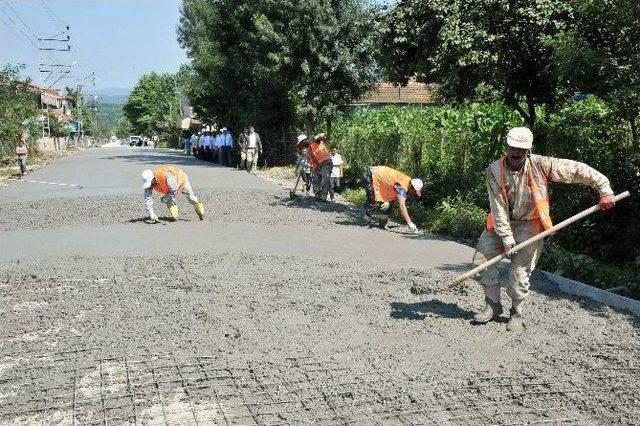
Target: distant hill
(113,95)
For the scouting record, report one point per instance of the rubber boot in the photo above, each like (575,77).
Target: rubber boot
(491,311)
(516,320)
(173,211)
(199,207)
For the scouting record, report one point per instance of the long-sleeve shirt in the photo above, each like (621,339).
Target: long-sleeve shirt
(520,205)
(226,139)
(172,184)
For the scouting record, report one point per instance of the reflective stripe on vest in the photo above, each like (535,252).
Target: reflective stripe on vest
(383,180)
(317,154)
(537,183)
(160,181)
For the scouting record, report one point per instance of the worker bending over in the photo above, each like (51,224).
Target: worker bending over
(319,162)
(385,185)
(169,181)
(519,200)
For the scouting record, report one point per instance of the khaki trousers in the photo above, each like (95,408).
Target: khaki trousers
(522,263)
(252,159)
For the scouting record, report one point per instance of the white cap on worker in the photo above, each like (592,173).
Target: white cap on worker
(417,185)
(147,178)
(224,129)
(302,138)
(520,137)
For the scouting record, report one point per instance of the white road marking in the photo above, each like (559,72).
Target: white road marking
(42,182)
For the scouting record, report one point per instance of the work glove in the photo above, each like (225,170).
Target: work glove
(153,217)
(606,202)
(412,227)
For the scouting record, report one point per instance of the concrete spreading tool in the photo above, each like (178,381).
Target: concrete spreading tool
(292,192)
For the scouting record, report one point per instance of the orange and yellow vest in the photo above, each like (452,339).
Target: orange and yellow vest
(317,154)
(537,183)
(160,181)
(383,180)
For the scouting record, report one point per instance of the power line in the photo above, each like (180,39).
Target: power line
(17,15)
(17,27)
(51,14)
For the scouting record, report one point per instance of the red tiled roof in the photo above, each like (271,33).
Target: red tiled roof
(388,93)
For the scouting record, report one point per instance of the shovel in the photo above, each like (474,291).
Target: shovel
(292,192)
(535,238)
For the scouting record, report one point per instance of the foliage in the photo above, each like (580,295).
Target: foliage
(457,218)
(153,106)
(465,44)
(580,267)
(17,107)
(108,116)
(600,54)
(355,196)
(123,128)
(447,147)
(279,65)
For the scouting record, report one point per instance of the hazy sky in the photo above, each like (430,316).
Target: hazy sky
(119,40)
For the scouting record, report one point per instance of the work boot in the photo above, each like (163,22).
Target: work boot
(199,208)
(516,320)
(173,211)
(491,311)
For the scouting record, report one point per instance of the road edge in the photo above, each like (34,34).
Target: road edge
(576,288)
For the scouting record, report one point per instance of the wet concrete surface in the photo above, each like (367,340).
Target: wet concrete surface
(274,312)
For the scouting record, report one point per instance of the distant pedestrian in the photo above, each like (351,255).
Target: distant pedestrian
(226,148)
(303,168)
(22,152)
(243,142)
(187,144)
(193,143)
(336,173)
(254,149)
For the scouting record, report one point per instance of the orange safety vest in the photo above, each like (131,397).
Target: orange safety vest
(160,181)
(383,180)
(317,154)
(537,182)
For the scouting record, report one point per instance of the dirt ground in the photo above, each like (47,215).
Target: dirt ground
(220,337)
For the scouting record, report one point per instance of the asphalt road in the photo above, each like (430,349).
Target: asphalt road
(271,311)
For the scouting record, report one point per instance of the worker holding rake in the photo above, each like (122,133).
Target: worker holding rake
(519,200)
(168,181)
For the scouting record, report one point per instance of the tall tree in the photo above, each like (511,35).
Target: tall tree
(600,54)
(153,105)
(271,61)
(17,106)
(463,44)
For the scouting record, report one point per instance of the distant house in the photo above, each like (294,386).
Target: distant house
(384,94)
(53,101)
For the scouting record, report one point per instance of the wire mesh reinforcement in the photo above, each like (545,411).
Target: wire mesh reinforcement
(75,388)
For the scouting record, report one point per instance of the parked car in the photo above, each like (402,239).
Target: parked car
(135,140)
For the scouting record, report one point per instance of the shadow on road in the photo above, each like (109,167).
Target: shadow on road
(161,158)
(422,310)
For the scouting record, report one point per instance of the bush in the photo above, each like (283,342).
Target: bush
(457,218)
(355,195)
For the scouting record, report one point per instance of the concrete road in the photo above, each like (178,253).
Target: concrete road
(271,311)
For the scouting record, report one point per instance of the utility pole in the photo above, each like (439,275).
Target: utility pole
(52,44)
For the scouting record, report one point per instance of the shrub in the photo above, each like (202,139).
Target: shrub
(457,218)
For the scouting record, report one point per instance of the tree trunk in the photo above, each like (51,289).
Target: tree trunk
(634,139)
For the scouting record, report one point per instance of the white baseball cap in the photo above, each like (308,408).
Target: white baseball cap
(520,137)
(224,129)
(147,178)
(302,138)
(417,185)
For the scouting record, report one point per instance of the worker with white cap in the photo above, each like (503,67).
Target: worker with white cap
(384,185)
(519,200)
(168,181)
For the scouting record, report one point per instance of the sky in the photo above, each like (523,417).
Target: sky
(119,40)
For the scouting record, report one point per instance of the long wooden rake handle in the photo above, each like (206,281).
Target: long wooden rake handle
(535,238)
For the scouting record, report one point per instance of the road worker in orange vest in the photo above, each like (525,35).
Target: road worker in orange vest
(319,162)
(519,200)
(384,185)
(168,181)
